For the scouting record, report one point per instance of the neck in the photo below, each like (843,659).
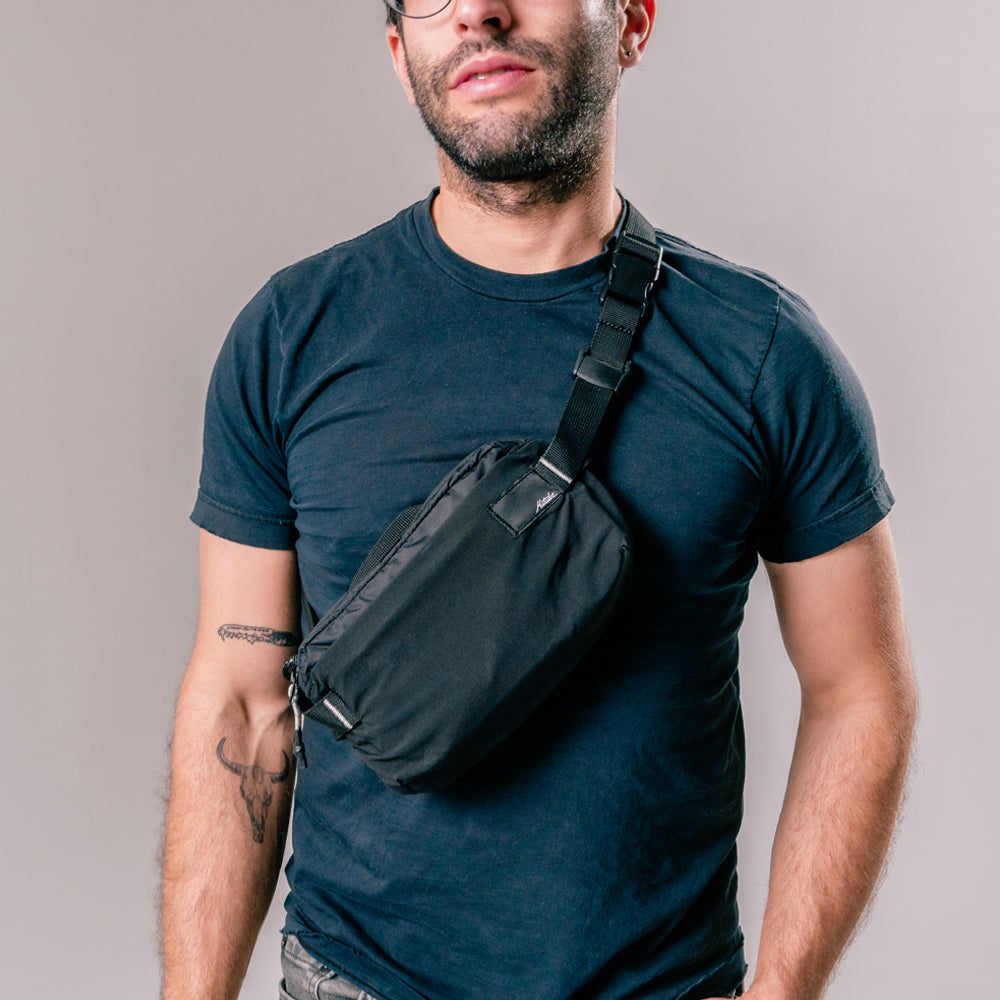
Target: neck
(527,227)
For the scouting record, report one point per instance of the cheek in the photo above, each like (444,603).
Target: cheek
(406,70)
(604,19)
(601,10)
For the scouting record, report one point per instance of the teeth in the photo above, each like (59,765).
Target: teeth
(486,76)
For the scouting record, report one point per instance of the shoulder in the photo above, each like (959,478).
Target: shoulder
(337,281)
(733,286)
(729,315)
(753,296)
(345,269)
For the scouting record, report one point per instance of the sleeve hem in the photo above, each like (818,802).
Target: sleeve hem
(245,527)
(850,521)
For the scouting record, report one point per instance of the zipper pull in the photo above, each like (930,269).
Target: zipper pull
(298,747)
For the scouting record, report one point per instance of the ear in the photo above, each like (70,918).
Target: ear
(398,52)
(635,22)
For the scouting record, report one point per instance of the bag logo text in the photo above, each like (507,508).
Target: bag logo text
(545,501)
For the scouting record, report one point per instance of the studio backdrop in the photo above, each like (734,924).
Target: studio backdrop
(162,160)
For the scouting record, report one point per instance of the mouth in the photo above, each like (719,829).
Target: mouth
(488,72)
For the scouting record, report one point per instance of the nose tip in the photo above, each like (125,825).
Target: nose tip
(489,16)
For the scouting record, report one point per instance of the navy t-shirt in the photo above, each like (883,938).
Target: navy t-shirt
(592,855)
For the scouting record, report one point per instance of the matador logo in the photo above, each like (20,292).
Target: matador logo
(545,501)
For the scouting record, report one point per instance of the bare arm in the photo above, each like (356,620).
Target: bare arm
(842,626)
(232,773)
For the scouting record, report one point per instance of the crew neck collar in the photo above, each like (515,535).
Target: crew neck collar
(502,284)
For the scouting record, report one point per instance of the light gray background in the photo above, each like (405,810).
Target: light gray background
(161,160)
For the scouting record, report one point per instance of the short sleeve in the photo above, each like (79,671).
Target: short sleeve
(824,484)
(243,493)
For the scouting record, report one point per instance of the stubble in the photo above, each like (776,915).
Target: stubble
(542,155)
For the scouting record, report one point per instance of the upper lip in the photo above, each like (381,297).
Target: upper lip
(488,65)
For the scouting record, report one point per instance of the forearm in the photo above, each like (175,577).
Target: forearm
(229,804)
(833,835)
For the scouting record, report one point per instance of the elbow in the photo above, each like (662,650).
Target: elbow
(897,713)
(879,704)
(907,709)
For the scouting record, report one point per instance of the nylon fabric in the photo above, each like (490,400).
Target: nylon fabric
(463,630)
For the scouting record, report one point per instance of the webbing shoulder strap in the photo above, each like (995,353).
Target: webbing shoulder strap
(602,367)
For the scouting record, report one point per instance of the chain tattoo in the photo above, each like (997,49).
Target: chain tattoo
(255,787)
(256,633)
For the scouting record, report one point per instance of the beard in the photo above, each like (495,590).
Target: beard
(556,145)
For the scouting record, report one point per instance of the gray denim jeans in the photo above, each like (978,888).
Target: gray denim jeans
(307,979)
(304,978)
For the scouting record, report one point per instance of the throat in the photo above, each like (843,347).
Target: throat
(519,233)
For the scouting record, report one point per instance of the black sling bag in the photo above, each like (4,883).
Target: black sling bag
(473,605)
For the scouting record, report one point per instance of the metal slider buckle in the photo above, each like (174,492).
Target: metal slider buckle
(290,670)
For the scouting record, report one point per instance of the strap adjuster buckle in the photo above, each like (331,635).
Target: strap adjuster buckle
(600,373)
(632,276)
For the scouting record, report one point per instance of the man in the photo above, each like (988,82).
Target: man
(594,855)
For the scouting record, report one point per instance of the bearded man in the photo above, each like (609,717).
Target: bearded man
(592,854)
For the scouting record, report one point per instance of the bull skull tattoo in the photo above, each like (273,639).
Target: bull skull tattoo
(255,787)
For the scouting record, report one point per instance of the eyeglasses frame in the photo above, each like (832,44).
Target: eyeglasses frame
(417,17)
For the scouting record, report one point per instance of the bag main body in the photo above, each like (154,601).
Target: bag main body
(469,619)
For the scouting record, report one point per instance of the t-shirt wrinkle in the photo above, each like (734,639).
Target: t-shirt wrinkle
(766,350)
(244,512)
(277,431)
(763,359)
(839,513)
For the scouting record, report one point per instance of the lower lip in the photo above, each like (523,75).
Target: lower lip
(491,86)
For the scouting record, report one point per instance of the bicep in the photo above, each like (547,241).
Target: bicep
(841,620)
(248,619)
